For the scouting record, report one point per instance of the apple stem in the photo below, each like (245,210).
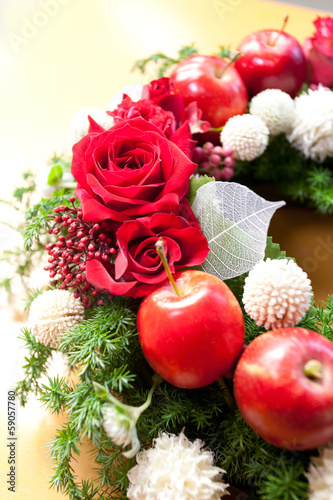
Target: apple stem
(313,369)
(285,20)
(227,394)
(160,250)
(235,55)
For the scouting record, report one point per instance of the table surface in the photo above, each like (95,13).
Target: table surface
(53,64)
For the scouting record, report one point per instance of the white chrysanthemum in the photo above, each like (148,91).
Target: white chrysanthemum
(312,132)
(320,474)
(277,293)
(247,135)
(80,123)
(176,469)
(51,313)
(275,108)
(116,429)
(133,91)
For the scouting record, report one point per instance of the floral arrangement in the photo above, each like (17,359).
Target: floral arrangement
(172,305)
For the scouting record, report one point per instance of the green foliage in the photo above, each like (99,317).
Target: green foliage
(227,53)
(164,62)
(40,216)
(195,184)
(291,174)
(105,349)
(35,367)
(284,483)
(55,175)
(273,250)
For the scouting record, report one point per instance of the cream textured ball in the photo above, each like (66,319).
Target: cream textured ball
(176,469)
(275,108)
(277,293)
(320,474)
(247,135)
(52,313)
(312,132)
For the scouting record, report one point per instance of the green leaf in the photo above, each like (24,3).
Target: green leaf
(273,250)
(100,391)
(195,183)
(55,175)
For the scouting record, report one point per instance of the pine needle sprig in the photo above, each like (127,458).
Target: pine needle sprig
(39,217)
(284,483)
(290,175)
(54,395)
(163,61)
(35,367)
(102,342)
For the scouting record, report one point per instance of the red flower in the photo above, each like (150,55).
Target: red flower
(162,92)
(319,52)
(138,270)
(149,111)
(131,170)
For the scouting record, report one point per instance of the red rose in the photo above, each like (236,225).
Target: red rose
(138,270)
(162,92)
(319,52)
(131,170)
(149,111)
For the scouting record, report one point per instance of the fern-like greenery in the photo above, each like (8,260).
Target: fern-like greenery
(291,175)
(105,349)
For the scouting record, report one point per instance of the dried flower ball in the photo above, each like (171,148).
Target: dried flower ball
(52,313)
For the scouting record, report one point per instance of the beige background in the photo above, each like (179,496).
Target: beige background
(53,64)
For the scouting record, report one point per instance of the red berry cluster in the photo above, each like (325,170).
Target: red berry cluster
(215,161)
(78,242)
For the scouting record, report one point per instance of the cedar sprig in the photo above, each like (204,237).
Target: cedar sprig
(284,483)
(164,62)
(36,366)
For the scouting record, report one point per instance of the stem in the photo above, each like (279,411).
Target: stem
(313,369)
(285,20)
(233,59)
(227,394)
(157,380)
(218,129)
(160,250)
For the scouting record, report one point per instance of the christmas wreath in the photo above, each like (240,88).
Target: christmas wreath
(201,359)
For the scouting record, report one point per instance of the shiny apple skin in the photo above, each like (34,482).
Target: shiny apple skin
(192,340)
(265,64)
(219,98)
(276,398)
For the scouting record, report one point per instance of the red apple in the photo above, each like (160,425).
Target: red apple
(218,90)
(193,339)
(271,59)
(283,387)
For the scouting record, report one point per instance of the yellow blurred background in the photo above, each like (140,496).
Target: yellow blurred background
(57,57)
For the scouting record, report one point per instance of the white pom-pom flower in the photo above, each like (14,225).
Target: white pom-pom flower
(176,469)
(52,313)
(312,131)
(80,123)
(275,108)
(117,428)
(247,135)
(277,293)
(320,474)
